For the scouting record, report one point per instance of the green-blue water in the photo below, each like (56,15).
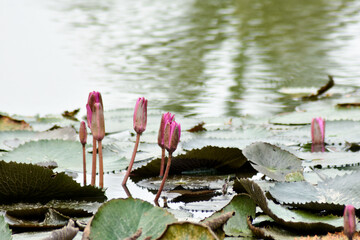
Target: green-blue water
(202,57)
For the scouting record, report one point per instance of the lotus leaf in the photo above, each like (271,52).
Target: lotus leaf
(274,162)
(121,218)
(306,221)
(31,183)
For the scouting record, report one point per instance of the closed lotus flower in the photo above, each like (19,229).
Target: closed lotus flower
(349,221)
(140,120)
(172,135)
(165,118)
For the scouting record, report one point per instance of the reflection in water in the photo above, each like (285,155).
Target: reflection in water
(216,58)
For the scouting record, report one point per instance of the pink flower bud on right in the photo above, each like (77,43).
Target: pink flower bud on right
(318,130)
(172,136)
(165,118)
(349,221)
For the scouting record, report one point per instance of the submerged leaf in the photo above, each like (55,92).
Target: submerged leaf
(121,218)
(306,221)
(31,183)
(274,162)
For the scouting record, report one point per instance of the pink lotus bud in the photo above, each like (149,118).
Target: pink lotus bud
(94,97)
(318,130)
(140,115)
(349,221)
(98,123)
(83,133)
(172,136)
(165,118)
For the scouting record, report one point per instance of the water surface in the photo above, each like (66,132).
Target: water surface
(206,58)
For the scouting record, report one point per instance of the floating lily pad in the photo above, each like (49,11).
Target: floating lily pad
(336,132)
(121,218)
(31,183)
(12,139)
(188,230)
(329,159)
(67,154)
(326,109)
(221,160)
(294,219)
(5,232)
(8,123)
(243,206)
(330,194)
(274,162)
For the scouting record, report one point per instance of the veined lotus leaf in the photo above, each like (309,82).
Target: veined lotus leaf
(31,183)
(12,139)
(336,132)
(196,161)
(5,232)
(294,219)
(8,123)
(243,206)
(67,154)
(330,194)
(274,162)
(188,231)
(121,218)
(329,159)
(326,109)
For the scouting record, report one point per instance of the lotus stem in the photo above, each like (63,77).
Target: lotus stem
(101,166)
(84,163)
(162,162)
(164,179)
(126,191)
(93,173)
(132,159)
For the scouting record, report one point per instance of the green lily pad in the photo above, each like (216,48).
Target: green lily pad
(243,206)
(5,232)
(220,160)
(337,132)
(121,218)
(329,159)
(326,109)
(67,154)
(330,194)
(12,139)
(188,231)
(274,162)
(293,219)
(31,183)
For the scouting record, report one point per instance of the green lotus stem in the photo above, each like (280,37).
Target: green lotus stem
(164,179)
(93,173)
(132,159)
(101,166)
(84,164)
(162,162)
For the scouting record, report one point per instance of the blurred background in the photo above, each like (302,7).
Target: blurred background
(195,57)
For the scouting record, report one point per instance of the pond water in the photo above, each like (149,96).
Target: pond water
(194,57)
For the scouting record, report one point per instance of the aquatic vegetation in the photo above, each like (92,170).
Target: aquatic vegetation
(83,138)
(139,122)
(165,118)
(95,117)
(349,221)
(172,135)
